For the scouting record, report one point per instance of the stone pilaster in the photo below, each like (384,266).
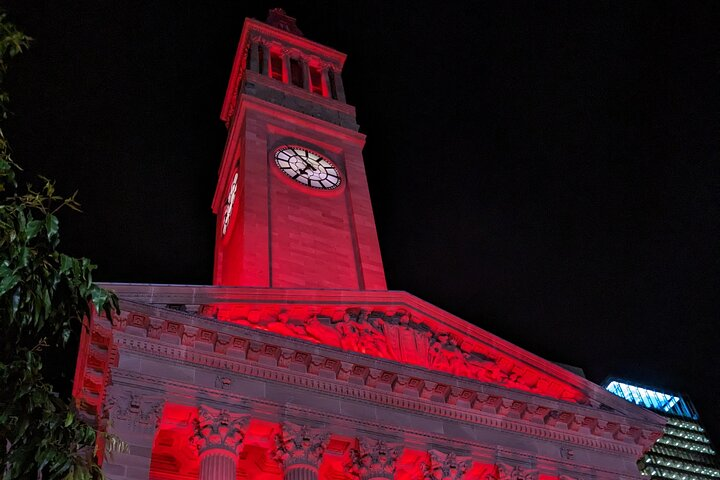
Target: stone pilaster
(447,466)
(339,88)
(306,74)
(325,82)
(132,415)
(286,66)
(218,437)
(374,459)
(254,56)
(266,67)
(299,449)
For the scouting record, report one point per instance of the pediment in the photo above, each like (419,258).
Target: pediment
(391,325)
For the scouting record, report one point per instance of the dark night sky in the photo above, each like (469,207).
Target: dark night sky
(548,171)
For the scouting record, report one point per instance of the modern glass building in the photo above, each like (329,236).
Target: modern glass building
(684,452)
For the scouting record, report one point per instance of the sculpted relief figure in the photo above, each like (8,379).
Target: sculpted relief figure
(394,336)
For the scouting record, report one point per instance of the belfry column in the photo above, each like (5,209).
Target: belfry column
(299,449)
(267,65)
(324,81)
(253,52)
(218,436)
(286,66)
(339,88)
(374,459)
(306,74)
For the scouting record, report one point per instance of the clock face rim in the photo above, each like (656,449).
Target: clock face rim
(230,203)
(321,160)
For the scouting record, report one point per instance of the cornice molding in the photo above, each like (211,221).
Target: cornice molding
(338,375)
(161,295)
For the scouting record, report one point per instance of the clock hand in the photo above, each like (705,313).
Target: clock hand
(304,170)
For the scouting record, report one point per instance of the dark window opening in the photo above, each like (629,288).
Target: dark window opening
(276,66)
(296,72)
(316,80)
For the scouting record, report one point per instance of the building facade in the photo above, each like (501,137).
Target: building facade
(684,452)
(298,363)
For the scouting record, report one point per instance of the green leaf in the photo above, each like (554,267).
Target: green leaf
(8,283)
(32,228)
(51,225)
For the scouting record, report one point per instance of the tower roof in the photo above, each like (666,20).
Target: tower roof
(279,19)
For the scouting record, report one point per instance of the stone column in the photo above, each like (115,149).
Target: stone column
(286,66)
(267,65)
(374,459)
(339,88)
(306,75)
(446,466)
(325,81)
(253,52)
(218,437)
(299,449)
(134,417)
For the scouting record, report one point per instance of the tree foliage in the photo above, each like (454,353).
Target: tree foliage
(44,296)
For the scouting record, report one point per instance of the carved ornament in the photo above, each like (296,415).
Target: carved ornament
(219,429)
(446,466)
(140,413)
(374,459)
(299,444)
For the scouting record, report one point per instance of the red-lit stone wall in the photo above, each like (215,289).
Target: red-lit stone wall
(284,234)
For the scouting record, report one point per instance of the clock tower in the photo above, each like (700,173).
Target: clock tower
(299,364)
(292,202)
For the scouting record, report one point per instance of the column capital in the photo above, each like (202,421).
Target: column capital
(515,472)
(133,411)
(446,466)
(219,430)
(299,445)
(374,459)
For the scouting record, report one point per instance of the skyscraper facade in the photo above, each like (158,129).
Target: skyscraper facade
(684,452)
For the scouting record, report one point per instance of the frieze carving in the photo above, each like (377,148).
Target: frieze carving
(515,472)
(238,355)
(373,459)
(567,453)
(398,337)
(140,413)
(299,444)
(446,466)
(219,429)
(223,383)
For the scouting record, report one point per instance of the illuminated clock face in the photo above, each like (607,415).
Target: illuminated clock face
(307,167)
(229,203)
